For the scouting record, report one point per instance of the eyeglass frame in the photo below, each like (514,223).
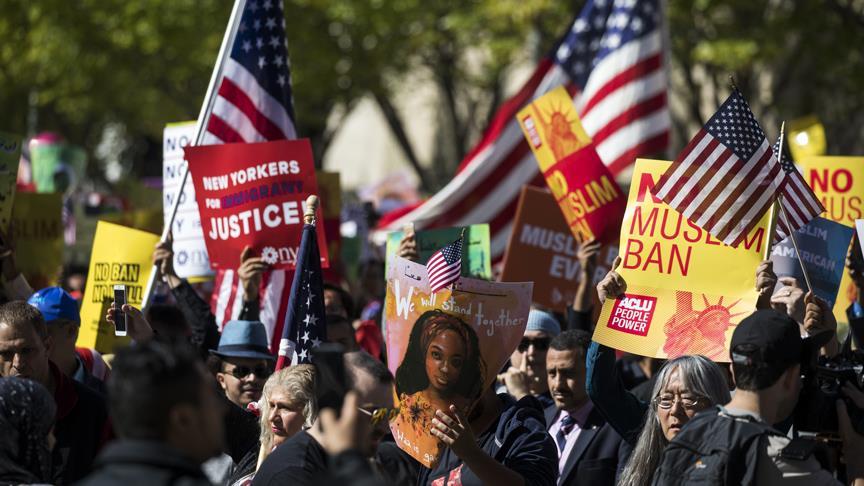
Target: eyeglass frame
(677,398)
(526,343)
(250,370)
(378,414)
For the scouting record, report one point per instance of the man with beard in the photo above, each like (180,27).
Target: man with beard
(242,362)
(589,449)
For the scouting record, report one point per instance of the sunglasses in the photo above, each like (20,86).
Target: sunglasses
(241,372)
(380,414)
(540,344)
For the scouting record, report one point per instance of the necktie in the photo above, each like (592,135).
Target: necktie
(567,424)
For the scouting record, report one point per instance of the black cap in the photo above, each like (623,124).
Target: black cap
(767,337)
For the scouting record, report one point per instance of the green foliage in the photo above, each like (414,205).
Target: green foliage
(77,67)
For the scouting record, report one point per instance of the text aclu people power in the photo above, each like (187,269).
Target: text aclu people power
(252,194)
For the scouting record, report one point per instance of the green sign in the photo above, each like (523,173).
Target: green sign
(476,262)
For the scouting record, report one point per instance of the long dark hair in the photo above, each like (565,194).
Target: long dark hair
(411,374)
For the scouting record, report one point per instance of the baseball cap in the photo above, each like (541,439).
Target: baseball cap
(539,320)
(767,337)
(55,303)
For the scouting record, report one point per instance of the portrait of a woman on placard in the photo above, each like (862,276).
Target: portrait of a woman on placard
(442,366)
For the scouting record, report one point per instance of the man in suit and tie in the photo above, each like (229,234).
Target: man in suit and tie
(589,450)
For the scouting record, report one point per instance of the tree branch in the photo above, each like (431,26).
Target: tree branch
(394,121)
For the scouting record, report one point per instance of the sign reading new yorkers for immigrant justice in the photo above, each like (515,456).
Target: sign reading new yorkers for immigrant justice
(254,194)
(190,251)
(589,197)
(542,249)
(839,183)
(686,290)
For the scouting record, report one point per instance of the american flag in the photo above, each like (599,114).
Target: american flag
(727,177)
(445,266)
(612,60)
(799,202)
(305,325)
(253,103)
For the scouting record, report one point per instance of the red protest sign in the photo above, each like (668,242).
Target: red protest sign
(254,194)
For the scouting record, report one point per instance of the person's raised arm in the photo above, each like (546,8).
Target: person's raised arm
(202,322)
(819,318)
(579,315)
(766,280)
(15,285)
(622,409)
(250,274)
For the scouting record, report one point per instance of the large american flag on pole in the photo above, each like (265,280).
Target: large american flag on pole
(612,60)
(727,177)
(253,103)
(799,202)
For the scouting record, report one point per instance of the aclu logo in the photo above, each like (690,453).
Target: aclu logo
(272,256)
(531,127)
(632,314)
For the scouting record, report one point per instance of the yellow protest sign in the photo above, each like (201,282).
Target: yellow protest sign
(839,184)
(120,255)
(37,233)
(686,290)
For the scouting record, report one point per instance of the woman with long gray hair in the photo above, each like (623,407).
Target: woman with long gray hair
(685,386)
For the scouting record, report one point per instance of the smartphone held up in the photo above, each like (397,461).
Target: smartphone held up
(120,317)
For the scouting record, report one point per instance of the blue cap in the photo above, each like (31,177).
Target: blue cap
(543,321)
(243,339)
(55,303)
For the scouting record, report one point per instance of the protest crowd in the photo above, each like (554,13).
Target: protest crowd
(693,321)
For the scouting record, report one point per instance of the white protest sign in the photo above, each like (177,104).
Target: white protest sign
(190,251)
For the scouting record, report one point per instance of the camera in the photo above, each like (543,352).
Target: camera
(823,379)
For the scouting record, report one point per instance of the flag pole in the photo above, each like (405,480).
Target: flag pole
(772,219)
(783,215)
(200,129)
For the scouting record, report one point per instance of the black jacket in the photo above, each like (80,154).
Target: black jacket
(598,455)
(141,462)
(81,430)
(205,332)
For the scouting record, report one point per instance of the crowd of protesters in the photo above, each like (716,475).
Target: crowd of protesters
(188,404)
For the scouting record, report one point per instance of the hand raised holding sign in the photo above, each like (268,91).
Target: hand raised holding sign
(250,273)
(818,318)
(613,284)
(789,299)
(766,280)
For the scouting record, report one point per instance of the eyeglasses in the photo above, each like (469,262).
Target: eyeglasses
(379,414)
(241,372)
(689,402)
(540,344)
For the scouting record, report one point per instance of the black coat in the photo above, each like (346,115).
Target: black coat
(140,462)
(598,455)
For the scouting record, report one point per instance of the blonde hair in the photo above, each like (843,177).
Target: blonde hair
(298,382)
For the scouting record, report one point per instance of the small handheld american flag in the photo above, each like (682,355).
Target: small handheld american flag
(445,265)
(799,202)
